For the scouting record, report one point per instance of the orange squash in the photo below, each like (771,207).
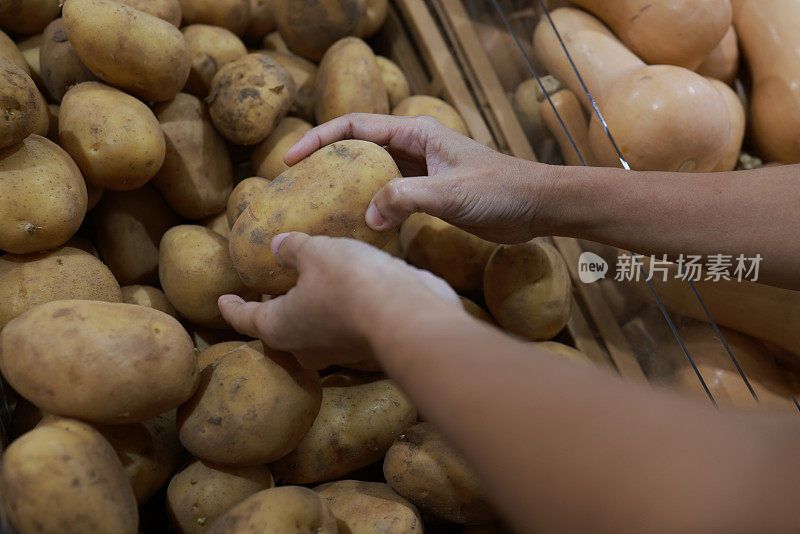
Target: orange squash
(737,114)
(723,62)
(662,117)
(671,32)
(569,109)
(769,32)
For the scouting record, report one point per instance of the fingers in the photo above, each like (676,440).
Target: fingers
(244,317)
(286,248)
(399,133)
(401,197)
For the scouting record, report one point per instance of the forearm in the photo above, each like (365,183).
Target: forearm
(747,212)
(563,447)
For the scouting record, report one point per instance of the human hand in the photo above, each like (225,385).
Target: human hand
(347,292)
(446,175)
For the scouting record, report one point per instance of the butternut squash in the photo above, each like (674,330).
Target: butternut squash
(662,117)
(671,32)
(569,109)
(723,62)
(769,36)
(730,157)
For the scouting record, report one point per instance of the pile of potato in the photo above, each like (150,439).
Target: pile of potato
(128,129)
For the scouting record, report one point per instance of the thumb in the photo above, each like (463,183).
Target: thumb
(401,197)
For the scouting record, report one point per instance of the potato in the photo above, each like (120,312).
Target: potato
(205,338)
(434,107)
(274,42)
(28,16)
(565,351)
(168,10)
(366,507)
(149,451)
(29,48)
(219,224)
(52,134)
(128,226)
(61,68)
(278,511)
(64,273)
(148,296)
(99,361)
(325,194)
(304,74)
(218,350)
(348,377)
(310,27)
(233,15)
(242,195)
(114,138)
(151,62)
(63,476)
(10,52)
(212,47)
(394,79)
(250,409)
(195,269)
(42,196)
(425,469)
(22,103)
(528,290)
(82,243)
(373,18)
(197,175)
(201,493)
(26,417)
(349,81)
(476,311)
(393,247)
(262,21)
(267,156)
(355,427)
(445,250)
(249,97)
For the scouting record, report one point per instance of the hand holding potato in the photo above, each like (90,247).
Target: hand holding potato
(342,288)
(446,175)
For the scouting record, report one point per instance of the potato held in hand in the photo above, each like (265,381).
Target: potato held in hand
(63,473)
(528,289)
(325,194)
(42,196)
(195,270)
(251,408)
(130,49)
(98,361)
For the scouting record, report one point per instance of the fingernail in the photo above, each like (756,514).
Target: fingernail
(276,242)
(374,218)
(228,299)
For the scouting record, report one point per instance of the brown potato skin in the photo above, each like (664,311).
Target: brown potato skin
(349,80)
(211,48)
(128,226)
(28,16)
(195,269)
(528,289)
(445,250)
(233,15)
(65,273)
(425,469)
(60,66)
(42,196)
(152,62)
(251,408)
(339,181)
(114,138)
(20,96)
(98,361)
(355,427)
(219,224)
(304,74)
(285,510)
(395,81)
(249,97)
(436,108)
(149,451)
(366,507)
(310,27)
(29,48)
(476,311)
(262,21)
(242,195)
(197,174)
(267,156)
(11,53)
(59,455)
(148,296)
(201,492)
(168,10)
(218,350)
